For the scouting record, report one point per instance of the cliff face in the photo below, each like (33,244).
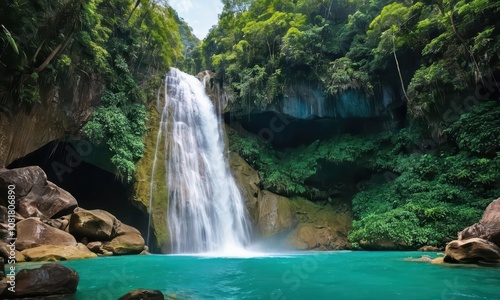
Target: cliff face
(61,113)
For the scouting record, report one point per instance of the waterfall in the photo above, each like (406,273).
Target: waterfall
(205,212)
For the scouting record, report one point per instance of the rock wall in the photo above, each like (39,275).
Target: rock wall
(305,100)
(61,113)
(307,226)
(159,235)
(50,225)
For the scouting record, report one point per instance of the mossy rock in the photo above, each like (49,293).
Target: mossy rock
(142,185)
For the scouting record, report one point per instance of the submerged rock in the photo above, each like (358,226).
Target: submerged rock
(143,294)
(35,195)
(49,279)
(424,258)
(33,233)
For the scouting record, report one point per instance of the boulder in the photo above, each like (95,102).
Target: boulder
(488,228)
(247,180)
(143,294)
(35,195)
(308,237)
(95,247)
(57,253)
(49,279)
(33,233)
(275,214)
(95,225)
(429,249)
(319,227)
(128,243)
(472,251)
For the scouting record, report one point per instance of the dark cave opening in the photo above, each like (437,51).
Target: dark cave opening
(286,132)
(93,187)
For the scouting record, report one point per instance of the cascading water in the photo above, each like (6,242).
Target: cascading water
(206,211)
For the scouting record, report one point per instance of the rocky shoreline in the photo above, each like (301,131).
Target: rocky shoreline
(50,226)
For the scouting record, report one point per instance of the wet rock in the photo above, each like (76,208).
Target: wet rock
(95,225)
(143,294)
(128,240)
(247,180)
(49,279)
(57,253)
(33,233)
(488,228)
(319,227)
(3,279)
(275,214)
(472,251)
(35,195)
(424,258)
(95,247)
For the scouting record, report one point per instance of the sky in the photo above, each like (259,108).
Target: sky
(201,15)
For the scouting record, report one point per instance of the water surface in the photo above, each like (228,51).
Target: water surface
(331,275)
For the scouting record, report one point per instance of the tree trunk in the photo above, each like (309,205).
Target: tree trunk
(397,65)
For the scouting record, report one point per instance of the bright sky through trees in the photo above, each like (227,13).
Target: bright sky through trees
(201,15)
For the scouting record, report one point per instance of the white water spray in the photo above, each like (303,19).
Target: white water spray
(206,211)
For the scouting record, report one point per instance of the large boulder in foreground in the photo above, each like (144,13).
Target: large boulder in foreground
(35,195)
(488,228)
(95,225)
(32,232)
(49,279)
(472,250)
(57,253)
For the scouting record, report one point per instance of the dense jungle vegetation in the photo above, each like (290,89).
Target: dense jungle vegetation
(428,179)
(128,45)
(431,178)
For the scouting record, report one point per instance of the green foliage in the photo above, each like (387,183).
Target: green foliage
(424,199)
(478,131)
(346,75)
(126,44)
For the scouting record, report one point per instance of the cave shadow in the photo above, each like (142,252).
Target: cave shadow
(92,186)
